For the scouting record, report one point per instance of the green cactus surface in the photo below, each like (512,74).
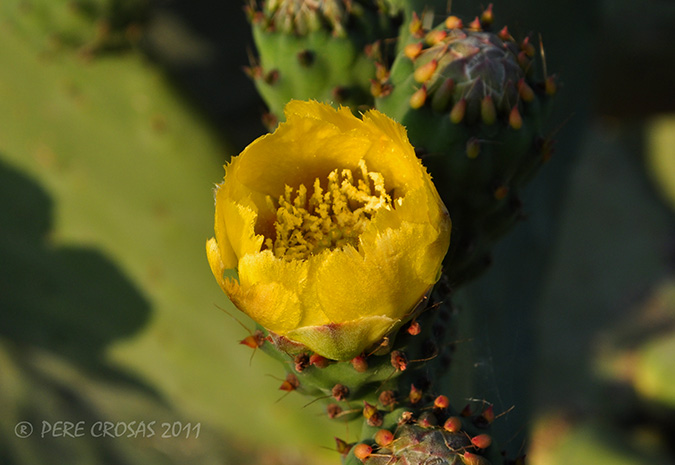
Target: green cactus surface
(316,50)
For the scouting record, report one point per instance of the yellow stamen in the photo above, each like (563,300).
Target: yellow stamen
(327,219)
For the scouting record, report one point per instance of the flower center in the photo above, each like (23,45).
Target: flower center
(326,219)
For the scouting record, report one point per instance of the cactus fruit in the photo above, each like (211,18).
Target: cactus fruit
(474,106)
(318,50)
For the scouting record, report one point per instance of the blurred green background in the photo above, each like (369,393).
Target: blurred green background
(116,117)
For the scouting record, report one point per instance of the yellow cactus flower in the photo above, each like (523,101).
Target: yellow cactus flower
(333,226)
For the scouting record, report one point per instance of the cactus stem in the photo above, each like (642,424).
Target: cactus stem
(418,98)
(453,22)
(458,111)
(515,120)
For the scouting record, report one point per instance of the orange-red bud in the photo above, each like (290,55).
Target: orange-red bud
(525,91)
(362,451)
(515,120)
(488,112)
(475,25)
(418,98)
(414,329)
(360,364)
(473,459)
(291,383)
(501,192)
(318,361)
(441,402)
(413,50)
(436,36)
(399,360)
(487,17)
(458,111)
(415,394)
(453,424)
(426,71)
(453,22)
(384,437)
(482,441)
(342,446)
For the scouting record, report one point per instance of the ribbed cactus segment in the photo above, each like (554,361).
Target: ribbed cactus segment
(474,104)
(321,50)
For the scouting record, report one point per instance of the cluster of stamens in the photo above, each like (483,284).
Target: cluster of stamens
(328,218)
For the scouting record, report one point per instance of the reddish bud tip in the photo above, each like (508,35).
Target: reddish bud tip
(472,148)
(333,410)
(360,364)
(482,441)
(368,410)
(527,47)
(515,120)
(550,85)
(441,402)
(427,420)
(458,111)
(475,25)
(416,27)
(504,34)
(381,72)
(453,22)
(414,329)
(488,112)
(523,60)
(525,91)
(291,383)
(301,362)
(399,360)
(384,437)
(387,398)
(340,392)
(418,98)
(473,459)
(413,50)
(415,394)
(453,424)
(254,341)
(488,414)
(501,192)
(426,71)
(342,446)
(362,451)
(318,361)
(436,36)
(487,17)
(466,411)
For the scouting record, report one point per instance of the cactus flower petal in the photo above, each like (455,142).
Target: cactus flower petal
(333,226)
